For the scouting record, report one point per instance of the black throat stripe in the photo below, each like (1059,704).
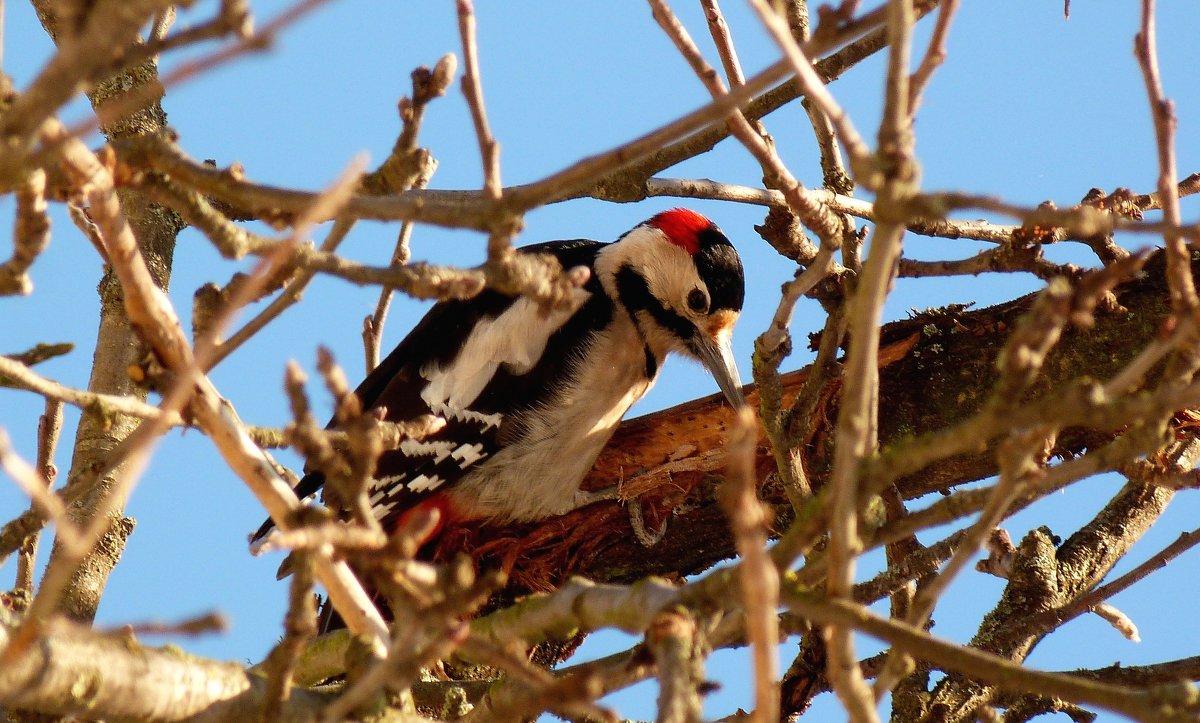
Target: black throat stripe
(635,295)
(651,363)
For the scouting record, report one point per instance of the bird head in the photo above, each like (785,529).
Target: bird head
(681,280)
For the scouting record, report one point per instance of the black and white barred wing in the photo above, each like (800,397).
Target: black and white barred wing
(467,362)
(418,470)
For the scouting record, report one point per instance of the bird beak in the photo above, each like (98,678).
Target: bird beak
(716,354)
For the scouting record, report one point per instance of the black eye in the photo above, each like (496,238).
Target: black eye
(697,301)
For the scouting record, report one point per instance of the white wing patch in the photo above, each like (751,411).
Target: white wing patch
(425,484)
(386,497)
(517,338)
(383,487)
(437,450)
(487,421)
(468,454)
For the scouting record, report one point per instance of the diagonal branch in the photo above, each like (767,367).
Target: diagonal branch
(151,312)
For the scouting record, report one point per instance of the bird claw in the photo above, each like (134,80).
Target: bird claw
(638,524)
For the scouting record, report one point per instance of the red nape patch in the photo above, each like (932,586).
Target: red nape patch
(682,227)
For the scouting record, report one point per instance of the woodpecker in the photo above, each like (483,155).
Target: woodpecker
(531,397)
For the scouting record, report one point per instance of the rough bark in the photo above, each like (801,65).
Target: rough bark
(597,541)
(938,369)
(118,347)
(77,673)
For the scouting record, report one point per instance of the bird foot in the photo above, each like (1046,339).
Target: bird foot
(583,498)
(638,524)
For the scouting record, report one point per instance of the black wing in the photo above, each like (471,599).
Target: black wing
(406,476)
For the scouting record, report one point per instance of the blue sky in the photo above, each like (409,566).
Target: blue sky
(1028,106)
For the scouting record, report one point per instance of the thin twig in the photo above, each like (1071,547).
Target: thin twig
(569,696)
(31,235)
(1162,112)
(814,89)
(406,167)
(759,579)
(16,375)
(342,537)
(856,434)
(857,425)
(935,54)
(203,624)
(719,29)
(812,212)
(299,625)
(838,202)
(328,203)
(138,97)
(672,640)
(373,324)
(150,310)
(1157,561)
(833,169)
(49,427)
(472,88)
(38,353)
(35,486)
(1005,259)
(162,24)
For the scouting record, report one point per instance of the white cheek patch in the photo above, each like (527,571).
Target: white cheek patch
(515,339)
(669,271)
